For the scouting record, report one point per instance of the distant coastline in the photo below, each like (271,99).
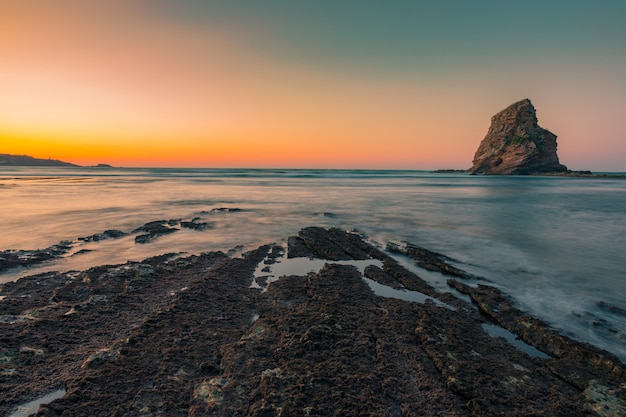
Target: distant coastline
(7,160)
(25,160)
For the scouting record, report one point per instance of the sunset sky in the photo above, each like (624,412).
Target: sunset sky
(307,84)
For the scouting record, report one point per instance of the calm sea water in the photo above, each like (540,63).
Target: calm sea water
(556,245)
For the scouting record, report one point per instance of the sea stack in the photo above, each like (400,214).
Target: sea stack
(516,145)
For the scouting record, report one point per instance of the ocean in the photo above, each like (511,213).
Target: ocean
(556,245)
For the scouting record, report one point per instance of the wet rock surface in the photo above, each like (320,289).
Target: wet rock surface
(190,336)
(155,229)
(576,362)
(612,308)
(107,234)
(10,259)
(430,260)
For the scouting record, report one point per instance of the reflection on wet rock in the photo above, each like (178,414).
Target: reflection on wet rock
(268,334)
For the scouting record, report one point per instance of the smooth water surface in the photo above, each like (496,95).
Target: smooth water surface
(556,244)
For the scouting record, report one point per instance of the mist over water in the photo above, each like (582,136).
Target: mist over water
(555,244)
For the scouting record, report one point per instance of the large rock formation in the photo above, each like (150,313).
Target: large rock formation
(516,145)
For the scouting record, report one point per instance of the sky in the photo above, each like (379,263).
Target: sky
(398,84)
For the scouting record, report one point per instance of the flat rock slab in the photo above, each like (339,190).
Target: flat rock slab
(190,336)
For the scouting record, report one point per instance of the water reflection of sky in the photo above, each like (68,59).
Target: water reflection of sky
(528,235)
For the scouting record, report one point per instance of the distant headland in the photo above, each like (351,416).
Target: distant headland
(24,160)
(29,161)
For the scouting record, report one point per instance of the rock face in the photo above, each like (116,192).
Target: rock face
(190,336)
(516,145)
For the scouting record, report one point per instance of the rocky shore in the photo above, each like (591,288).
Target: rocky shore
(14,258)
(217,335)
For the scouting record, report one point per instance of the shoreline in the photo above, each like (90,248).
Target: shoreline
(568,173)
(138,336)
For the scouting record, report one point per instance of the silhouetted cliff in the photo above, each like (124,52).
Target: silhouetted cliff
(24,160)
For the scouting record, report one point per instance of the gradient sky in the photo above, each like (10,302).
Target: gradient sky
(309,84)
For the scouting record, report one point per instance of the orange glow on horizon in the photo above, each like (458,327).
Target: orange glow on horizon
(74,90)
(236,151)
(128,84)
